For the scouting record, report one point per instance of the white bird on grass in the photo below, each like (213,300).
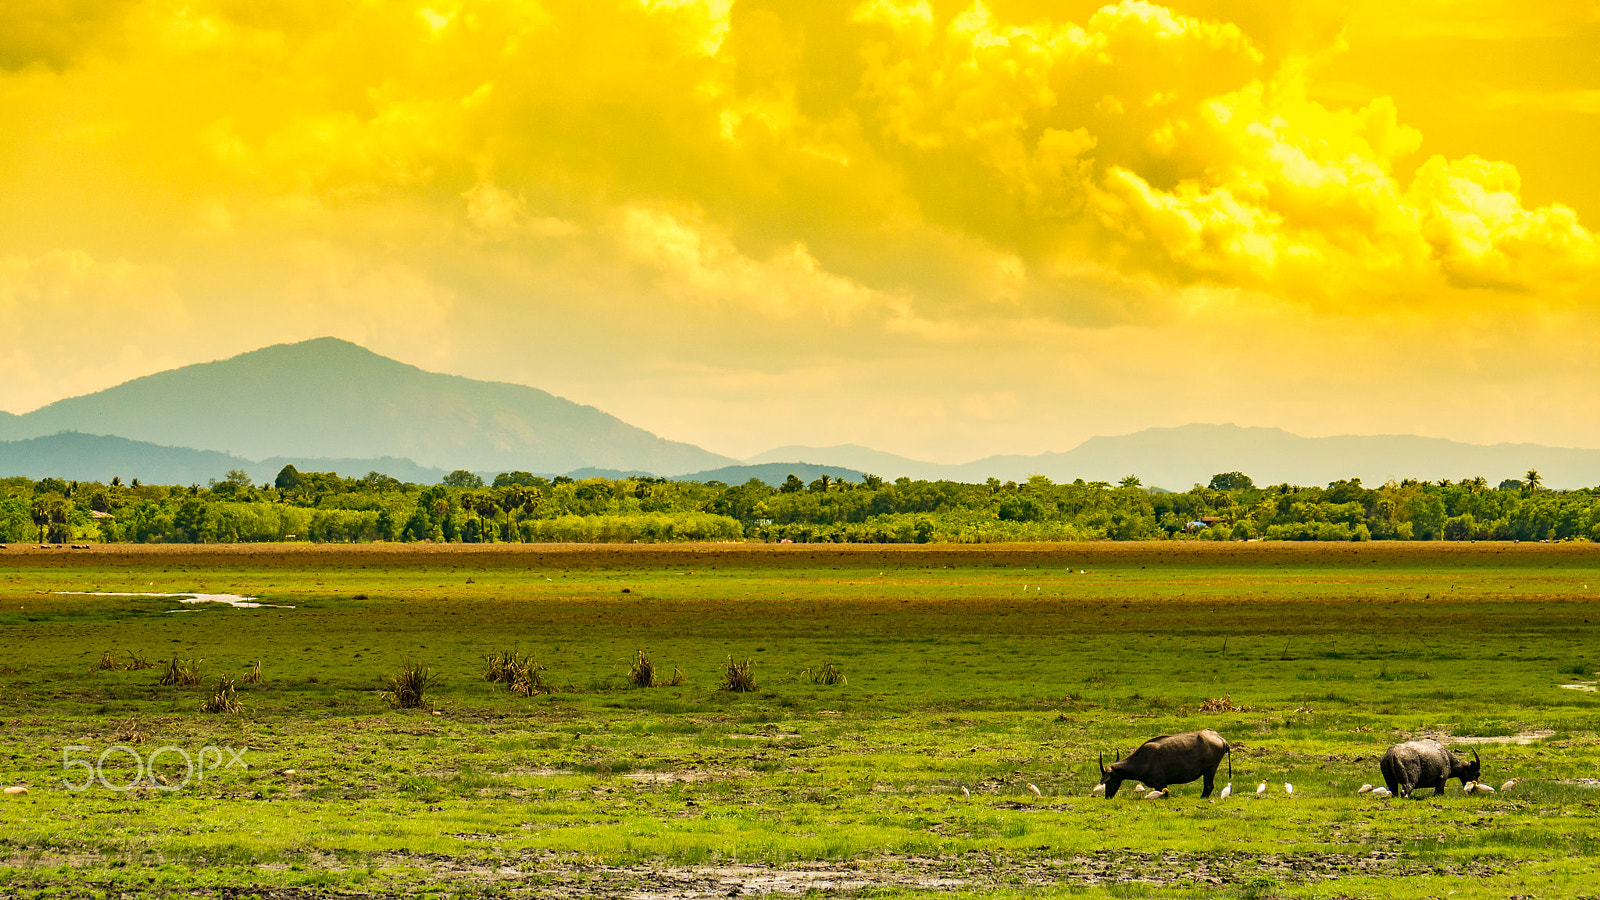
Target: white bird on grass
(1477,787)
(1098,789)
(1288,788)
(1509,784)
(1381,792)
(1157,795)
(1227,791)
(966,793)
(1034,791)
(1261,789)
(1364,789)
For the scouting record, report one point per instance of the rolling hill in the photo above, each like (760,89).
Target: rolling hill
(328,399)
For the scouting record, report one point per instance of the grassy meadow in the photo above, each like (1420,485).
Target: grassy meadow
(988,669)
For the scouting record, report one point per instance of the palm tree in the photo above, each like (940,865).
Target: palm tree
(39,511)
(1533,481)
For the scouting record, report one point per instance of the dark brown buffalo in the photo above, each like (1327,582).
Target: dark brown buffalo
(1170,759)
(1424,763)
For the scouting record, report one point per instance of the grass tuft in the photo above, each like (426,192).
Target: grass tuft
(828,674)
(520,674)
(1220,704)
(643,671)
(128,733)
(224,699)
(739,677)
(407,688)
(110,662)
(252,675)
(182,672)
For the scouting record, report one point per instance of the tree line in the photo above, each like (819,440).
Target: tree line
(521,507)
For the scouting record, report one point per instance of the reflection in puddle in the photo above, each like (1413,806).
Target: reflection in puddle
(1581,686)
(229,599)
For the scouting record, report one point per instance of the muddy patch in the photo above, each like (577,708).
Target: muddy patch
(554,875)
(234,600)
(667,777)
(1526,737)
(975,872)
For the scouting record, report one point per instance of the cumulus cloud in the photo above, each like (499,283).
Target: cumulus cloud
(697,265)
(944,184)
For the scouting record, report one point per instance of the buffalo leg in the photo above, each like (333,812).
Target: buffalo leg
(1211,779)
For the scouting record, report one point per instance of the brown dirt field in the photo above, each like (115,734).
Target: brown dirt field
(1078,554)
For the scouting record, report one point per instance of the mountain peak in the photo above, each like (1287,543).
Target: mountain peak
(328,397)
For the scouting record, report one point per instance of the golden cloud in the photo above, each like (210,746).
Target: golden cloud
(869,176)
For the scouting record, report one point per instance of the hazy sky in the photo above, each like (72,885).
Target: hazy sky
(943,229)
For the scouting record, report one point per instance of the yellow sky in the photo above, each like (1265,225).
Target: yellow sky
(944,229)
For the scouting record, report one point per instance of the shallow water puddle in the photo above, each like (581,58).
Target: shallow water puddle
(1589,686)
(229,599)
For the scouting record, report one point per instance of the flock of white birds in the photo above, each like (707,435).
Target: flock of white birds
(1471,787)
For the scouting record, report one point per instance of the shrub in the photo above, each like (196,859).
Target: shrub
(739,676)
(407,688)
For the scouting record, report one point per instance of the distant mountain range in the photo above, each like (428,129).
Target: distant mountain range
(329,405)
(1178,458)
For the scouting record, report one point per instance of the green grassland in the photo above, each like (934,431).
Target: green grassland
(988,669)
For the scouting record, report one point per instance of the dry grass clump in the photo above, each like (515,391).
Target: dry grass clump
(252,675)
(520,674)
(109,661)
(643,674)
(828,674)
(739,676)
(182,672)
(1220,704)
(128,732)
(224,699)
(407,688)
(643,671)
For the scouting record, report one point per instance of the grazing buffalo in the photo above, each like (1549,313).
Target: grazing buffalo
(1424,763)
(1170,759)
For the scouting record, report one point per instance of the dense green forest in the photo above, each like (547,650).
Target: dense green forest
(517,506)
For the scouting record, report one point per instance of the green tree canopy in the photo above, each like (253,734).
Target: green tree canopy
(461,478)
(1231,481)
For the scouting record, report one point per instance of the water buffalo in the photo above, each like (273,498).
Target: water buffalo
(1170,759)
(1424,763)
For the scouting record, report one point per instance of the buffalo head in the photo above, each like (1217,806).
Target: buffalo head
(1110,778)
